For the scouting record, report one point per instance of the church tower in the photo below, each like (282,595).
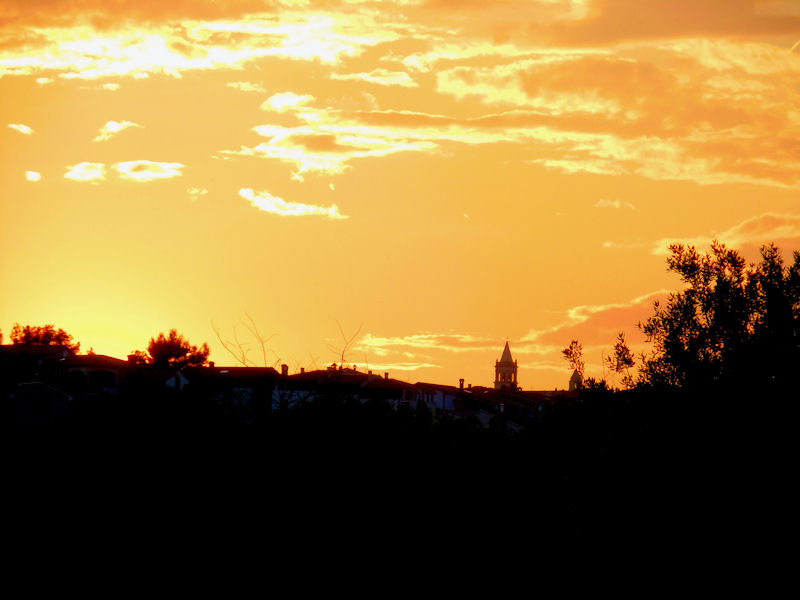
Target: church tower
(505,371)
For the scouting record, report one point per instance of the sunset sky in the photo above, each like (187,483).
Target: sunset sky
(431,177)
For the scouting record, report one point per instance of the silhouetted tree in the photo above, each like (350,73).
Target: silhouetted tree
(573,354)
(595,385)
(137,357)
(46,335)
(174,351)
(733,323)
(621,360)
(776,330)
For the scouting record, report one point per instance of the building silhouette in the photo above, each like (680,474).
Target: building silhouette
(505,371)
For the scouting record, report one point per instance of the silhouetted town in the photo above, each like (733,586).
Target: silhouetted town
(47,384)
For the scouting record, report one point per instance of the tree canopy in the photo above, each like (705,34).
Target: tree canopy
(173,350)
(733,323)
(45,335)
(573,354)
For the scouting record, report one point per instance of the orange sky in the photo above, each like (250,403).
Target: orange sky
(436,176)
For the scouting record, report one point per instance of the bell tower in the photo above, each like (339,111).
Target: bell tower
(505,371)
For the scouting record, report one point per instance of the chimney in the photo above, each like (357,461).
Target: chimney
(369,372)
(302,370)
(285,370)
(461,384)
(386,375)
(469,386)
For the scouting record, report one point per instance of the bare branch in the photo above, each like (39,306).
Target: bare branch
(253,329)
(347,341)
(240,349)
(230,347)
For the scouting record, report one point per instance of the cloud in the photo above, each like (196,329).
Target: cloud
(571,142)
(592,324)
(285,101)
(278,206)
(596,327)
(23,129)
(111,87)
(196,193)
(93,48)
(330,139)
(105,14)
(448,342)
(111,128)
(453,51)
(246,86)
(756,231)
(86,171)
(612,21)
(146,170)
(708,111)
(43,80)
(33,175)
(617,204)
(380,77)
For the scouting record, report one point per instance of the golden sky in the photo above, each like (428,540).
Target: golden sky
(435,176)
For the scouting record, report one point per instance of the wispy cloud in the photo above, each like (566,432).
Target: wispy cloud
(86,171)
(592,324)
(769,227)
(111,87)
(43,80)
(380,77)
(448,342)
(609,244)
(284,101)
(617,204)
(278,206)
(596,327)
(196,193)
(23,129)
(329,139)
(112,128)
(33,175)
(120,47)
(246,86)
(146,170)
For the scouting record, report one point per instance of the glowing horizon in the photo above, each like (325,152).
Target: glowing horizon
(436,176)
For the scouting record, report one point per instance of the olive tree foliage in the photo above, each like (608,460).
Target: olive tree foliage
(45,335)
(621,361)
(573,354)
(734,322)
(172,350)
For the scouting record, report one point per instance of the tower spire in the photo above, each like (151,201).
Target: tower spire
(505,371)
